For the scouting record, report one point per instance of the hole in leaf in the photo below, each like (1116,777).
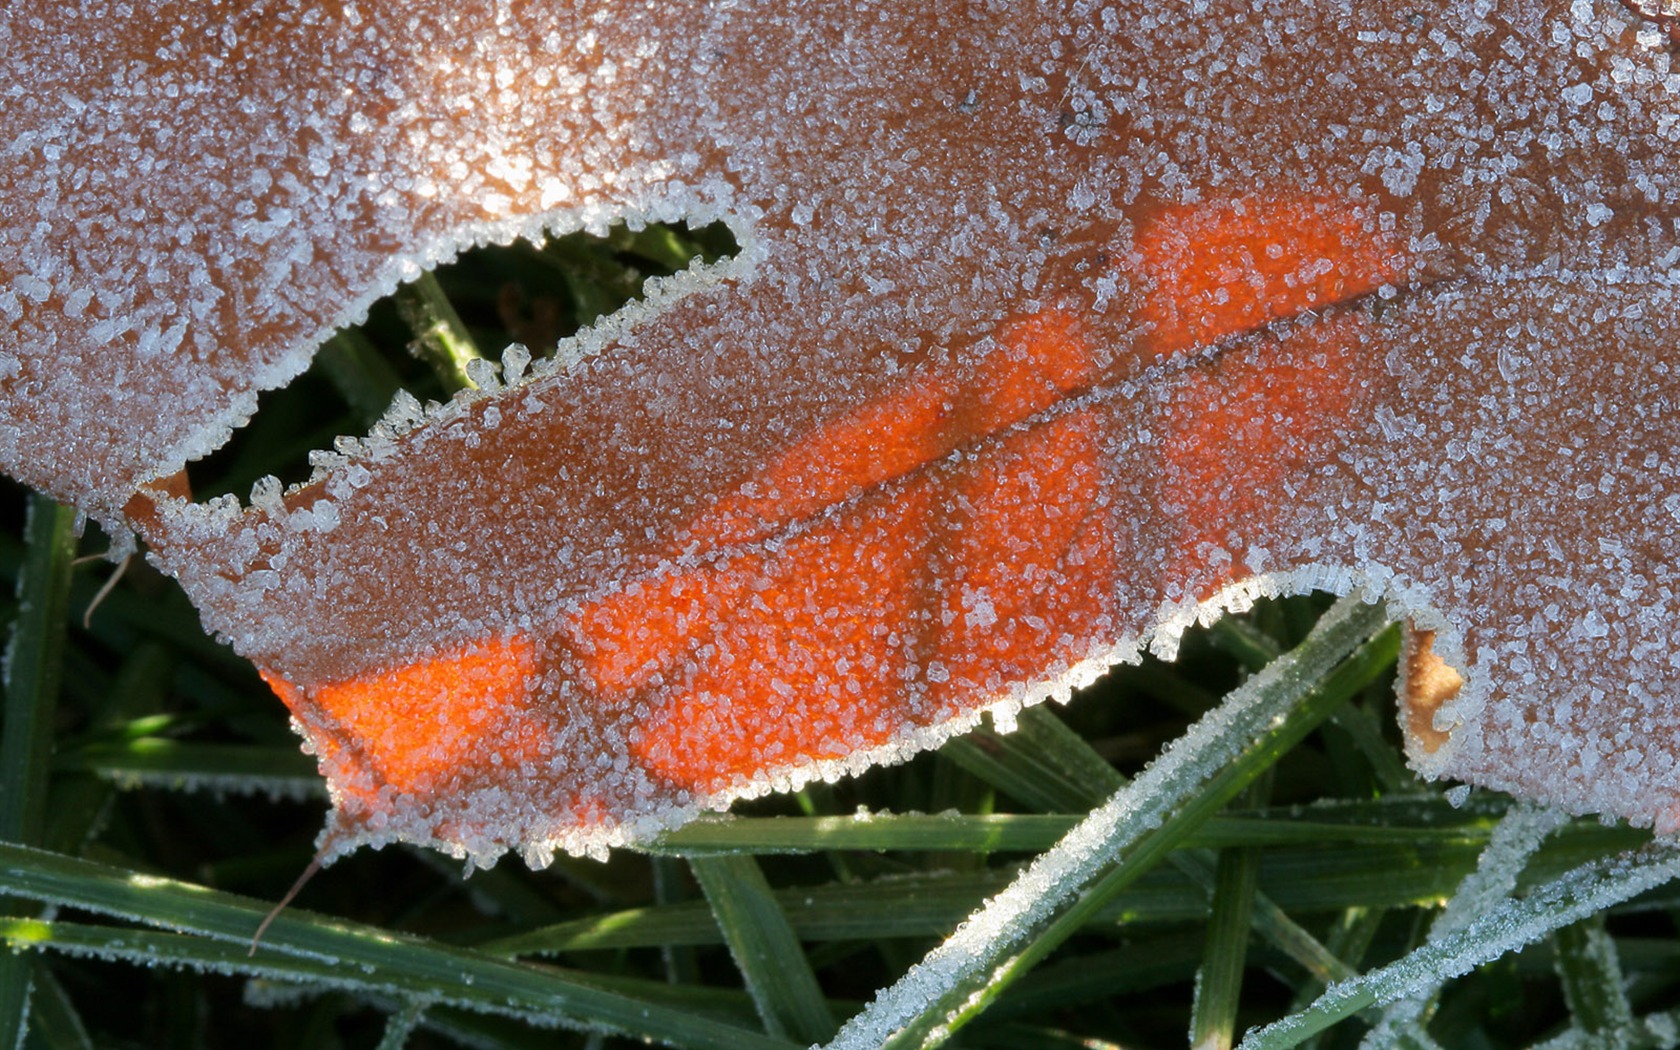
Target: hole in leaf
(422,337)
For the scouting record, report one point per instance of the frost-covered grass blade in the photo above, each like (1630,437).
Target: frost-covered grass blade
(1136,828)
(765,948)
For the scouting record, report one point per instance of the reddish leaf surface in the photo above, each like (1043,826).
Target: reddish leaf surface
(1051,325)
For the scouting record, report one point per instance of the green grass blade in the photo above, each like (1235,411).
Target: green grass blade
(1302,696)
(300,945)
(945,832)
(1515,841)
(1047,765)
(671,887)
(240,768)
(1349,939)
(1248,644)
(34,663)
(1432,823)
(363,378)
(765,948)
(53,1022)
(1144,964)
(440,337)
(1328,878)
(400,1025)
(33,669)
(1274,924)
(1213,1012)
(924,906)
(1041,763)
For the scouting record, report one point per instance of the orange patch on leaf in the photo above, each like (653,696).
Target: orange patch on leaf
(628,637)
(1038,359)
(1244,425)
(418,722)
(811,663)
(1030,565)
(1230,266)
(805,652)
(881,440)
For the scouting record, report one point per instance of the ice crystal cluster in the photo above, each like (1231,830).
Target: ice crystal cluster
(1055,326)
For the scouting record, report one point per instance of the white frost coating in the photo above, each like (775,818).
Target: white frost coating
(1088,316)
(1515,838)
(1483,892)
(1567,899)
(218,785)
(269,985)
(985,938)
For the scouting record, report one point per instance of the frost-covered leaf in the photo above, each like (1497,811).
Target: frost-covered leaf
(1054,326)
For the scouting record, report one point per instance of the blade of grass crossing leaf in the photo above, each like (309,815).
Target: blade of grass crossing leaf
(764,947)
(1571,897)
(1018,832)
(1049,766)
(1305,694)
(1587,965)
(1213,1011)
(1192,779)
(1012,832)
(1367,822)
(34,662)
